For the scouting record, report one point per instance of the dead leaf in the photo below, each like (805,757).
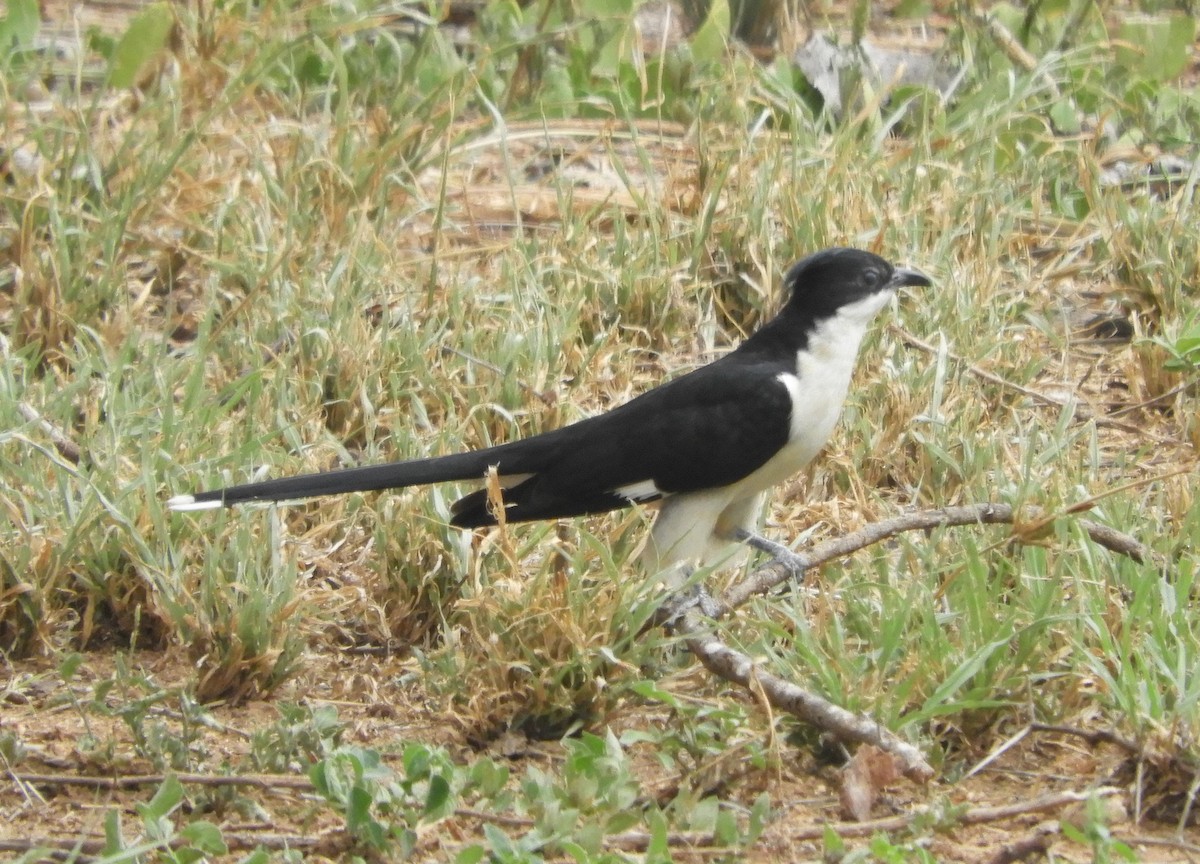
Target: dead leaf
(864,776)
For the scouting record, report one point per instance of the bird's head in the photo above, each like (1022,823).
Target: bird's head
(847,281)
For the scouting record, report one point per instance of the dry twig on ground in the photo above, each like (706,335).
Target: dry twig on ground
(734,666)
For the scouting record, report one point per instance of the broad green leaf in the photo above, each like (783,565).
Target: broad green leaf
(471,855)
(165,800)
(70,665)
(19,27)
(113,841)
(205,836)
(436,797)
(1157,47)
(710,41)
(141,44)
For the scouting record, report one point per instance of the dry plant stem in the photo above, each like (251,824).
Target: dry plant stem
(974,816)
(634,840)
(88,849)
(1092,736)
(732,665)
(1013,49)
(1035,395)
(66,448)
(1163,843)
(259,781)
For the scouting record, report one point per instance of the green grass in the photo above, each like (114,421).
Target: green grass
(321,236)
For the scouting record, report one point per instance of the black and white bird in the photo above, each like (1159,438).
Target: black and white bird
(708,444)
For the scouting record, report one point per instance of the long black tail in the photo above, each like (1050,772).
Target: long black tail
(394,475)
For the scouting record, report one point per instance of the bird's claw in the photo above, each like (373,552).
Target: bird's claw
(780,554)
(674,607)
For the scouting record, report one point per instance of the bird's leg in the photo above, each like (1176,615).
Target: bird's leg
(779,553)
(685,599)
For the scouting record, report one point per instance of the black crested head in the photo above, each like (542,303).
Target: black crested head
(826,281)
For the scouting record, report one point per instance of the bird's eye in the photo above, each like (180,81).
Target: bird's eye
(873,277)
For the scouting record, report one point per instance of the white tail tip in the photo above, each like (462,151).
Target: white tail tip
(185,503)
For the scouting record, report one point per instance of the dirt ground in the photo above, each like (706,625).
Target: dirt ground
(67,781)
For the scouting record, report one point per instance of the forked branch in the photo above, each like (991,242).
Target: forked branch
(732,665)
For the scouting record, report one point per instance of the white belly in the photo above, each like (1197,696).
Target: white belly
(692,526)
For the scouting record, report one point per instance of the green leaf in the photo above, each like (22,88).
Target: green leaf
(1186,350)
(19,27)
(437,796)
(417,759)
(912,8)
(659,847)
(471,855)
(964,673)
(651,691)
(205,836)
(113,841)
(165,800)
(359,820)
(726,830)
(319,775)
(835,846)
(1065,116)
(502,845)
(141,43)
(710,41)
(69,666)
(1157,47)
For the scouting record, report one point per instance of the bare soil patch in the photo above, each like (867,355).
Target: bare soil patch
(94,761)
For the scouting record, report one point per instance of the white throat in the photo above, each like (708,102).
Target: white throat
(818,389)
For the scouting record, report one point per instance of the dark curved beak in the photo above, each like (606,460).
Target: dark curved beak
(904,277)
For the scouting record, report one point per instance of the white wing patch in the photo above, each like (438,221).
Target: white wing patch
(643,490)
(186,503)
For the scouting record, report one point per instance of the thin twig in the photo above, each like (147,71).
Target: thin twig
(1153,400)
(998,751)
(635,840)
(1037,396)
(546,397)
(66,448)
(1092,736)
(732,665)
(131,781)
(770,575)
(1013,49)
(974,816)
(1163,842)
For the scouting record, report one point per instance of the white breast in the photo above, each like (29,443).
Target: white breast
(818,390)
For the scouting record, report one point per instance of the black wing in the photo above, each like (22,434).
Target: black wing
(705,430)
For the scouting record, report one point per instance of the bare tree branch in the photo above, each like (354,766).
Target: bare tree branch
(732,665)
(767,577)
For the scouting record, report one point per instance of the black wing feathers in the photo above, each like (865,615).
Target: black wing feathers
(702,431)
